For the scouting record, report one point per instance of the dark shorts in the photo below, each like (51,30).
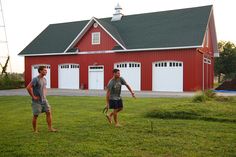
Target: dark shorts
(115,104)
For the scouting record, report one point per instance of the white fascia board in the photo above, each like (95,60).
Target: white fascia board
(85,29)
(114,51)
(49,54)
(214,35)
(110,34)
(134,50)
(81,33)
(211,26)
(208,21)
(161,48)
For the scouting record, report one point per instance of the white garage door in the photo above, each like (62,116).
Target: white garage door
(68,76)
(96,77)
(131,72)
(167,76)
(35,73)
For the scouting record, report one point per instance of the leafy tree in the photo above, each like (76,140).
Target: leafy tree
(226,63)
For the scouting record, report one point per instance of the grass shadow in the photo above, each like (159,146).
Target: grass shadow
(186,115)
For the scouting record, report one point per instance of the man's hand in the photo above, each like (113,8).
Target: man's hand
(133,95)
(35,98)
(107,106)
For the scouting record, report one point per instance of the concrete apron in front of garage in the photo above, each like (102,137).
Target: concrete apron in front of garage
(102,93)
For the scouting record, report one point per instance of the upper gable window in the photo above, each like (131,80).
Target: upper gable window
(95,38)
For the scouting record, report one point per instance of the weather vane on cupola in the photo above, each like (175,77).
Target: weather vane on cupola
(118,15)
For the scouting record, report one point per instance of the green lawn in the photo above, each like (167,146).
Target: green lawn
(179,128)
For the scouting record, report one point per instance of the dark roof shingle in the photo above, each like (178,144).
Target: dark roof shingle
(175,28)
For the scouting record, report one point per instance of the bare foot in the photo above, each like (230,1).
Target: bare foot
(118,125)
(36,131)
(109,119)
(52,130)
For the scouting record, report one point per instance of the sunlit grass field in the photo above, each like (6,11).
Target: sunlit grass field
(168,127)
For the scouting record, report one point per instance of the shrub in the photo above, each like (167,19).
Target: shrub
(210,94)
(11,81)
(199,97)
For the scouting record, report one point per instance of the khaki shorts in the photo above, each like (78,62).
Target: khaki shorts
(40,107)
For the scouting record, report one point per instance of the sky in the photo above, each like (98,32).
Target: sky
(25,19)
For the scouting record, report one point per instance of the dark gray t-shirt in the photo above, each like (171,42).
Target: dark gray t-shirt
(114,86)
(39,86)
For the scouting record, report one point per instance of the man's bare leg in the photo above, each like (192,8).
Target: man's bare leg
(109,117)
(34,123)
(115,115)
(49,121)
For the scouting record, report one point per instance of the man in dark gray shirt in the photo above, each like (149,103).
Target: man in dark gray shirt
(113,98)
(37,90)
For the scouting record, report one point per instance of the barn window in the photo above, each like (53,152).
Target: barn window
(95,38)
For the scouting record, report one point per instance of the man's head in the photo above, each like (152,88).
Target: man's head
(116,73)
(42,70)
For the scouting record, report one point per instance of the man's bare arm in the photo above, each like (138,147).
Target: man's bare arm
(130,90)
(107,98)
(30,91)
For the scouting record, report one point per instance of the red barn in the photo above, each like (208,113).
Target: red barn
(160,51)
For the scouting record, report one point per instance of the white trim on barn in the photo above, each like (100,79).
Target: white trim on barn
(110,34)
(34,71)
(85,29)
(114,51)
(167,76)
(131,72)
(96,77)
(68,76)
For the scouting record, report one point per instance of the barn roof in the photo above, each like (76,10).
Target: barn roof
(166,29)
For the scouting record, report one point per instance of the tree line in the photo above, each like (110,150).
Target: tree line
(225,64)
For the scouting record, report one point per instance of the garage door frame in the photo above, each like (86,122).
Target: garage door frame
(48,76)
(169,63)
(122,65)
(89,70)
(70,67)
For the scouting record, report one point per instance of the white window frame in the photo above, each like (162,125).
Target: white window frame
(94,42)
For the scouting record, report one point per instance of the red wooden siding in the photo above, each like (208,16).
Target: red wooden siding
(192,62)
(106,42)
(208,68)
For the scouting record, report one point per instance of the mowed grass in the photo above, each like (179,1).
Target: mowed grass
(168,127)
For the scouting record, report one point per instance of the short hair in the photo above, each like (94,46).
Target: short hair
(41,68)
(115,70)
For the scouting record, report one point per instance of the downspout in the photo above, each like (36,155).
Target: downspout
(202,72)
(199,50)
